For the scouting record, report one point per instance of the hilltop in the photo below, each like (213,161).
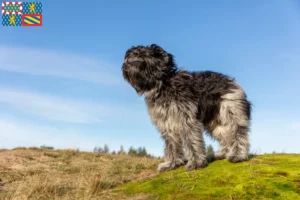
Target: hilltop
(67,174)
(273,176)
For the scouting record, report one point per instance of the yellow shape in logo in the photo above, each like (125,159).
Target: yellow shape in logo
(32,8)
(12,20)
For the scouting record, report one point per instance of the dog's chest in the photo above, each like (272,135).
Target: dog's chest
(170,116)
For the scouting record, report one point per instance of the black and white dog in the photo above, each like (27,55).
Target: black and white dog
(184,104)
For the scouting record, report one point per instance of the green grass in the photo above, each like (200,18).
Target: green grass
(274,176)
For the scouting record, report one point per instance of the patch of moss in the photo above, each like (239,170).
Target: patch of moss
(262,177)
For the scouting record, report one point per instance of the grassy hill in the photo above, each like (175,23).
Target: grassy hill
(39,174)
(263,177)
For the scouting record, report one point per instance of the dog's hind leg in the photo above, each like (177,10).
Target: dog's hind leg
(238,147)
(234,144)
(235,120)
(173,154)
(219,133)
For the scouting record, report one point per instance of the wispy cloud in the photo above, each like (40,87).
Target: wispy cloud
(19,132)
(62,109)
(16,133)
(57,64)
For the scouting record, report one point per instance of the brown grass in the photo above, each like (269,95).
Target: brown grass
(67,174)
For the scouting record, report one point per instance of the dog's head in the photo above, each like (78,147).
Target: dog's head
(146,67)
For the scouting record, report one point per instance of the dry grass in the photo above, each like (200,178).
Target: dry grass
(66,174)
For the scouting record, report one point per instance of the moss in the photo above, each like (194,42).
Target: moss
(274,176)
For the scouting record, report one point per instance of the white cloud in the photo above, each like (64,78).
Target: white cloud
(57,64)
(63,109)
(41,62)
(16,133)
(37,113)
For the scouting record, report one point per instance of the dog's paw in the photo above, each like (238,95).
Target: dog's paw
(219,155)
(193,165)
(237,158)
(166,166)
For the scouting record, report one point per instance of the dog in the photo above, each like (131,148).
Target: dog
(183,105)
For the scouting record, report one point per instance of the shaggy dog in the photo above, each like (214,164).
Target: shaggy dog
(182,105)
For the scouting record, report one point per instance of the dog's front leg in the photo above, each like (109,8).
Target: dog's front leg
(173,153)
(193,143)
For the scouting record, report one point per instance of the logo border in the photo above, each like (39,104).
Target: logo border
(25,15)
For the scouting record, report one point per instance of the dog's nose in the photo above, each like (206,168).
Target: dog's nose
(125,67)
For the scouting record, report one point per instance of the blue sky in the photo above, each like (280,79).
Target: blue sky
(61,84)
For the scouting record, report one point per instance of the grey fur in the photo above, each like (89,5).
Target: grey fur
(182,105)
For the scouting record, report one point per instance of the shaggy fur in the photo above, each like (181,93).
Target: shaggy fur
(184,104)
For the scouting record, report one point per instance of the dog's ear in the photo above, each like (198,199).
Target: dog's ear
(171,60)
(167,62)
(155,46)
(157,51)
